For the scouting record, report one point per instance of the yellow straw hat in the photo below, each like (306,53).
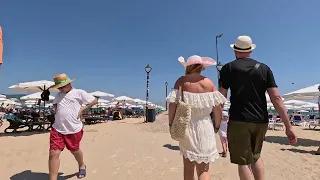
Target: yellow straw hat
(61,80)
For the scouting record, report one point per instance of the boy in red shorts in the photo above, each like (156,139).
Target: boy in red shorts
(67,130)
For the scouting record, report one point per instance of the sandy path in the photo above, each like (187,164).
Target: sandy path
(131,150)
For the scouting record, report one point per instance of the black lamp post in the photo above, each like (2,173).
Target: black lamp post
(166,83)
(148,70)
(219,65)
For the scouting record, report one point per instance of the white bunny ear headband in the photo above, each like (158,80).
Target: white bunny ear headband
(205,61)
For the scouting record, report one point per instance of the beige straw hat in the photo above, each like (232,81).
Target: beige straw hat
(61,80)
(243,44)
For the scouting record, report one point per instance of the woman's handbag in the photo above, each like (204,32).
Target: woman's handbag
(180,124)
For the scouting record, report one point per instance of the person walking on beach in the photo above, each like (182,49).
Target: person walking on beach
(199,149)
(223,133)
(67,130)
(248,81)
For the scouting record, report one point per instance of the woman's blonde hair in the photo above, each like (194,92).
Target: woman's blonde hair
(195,68)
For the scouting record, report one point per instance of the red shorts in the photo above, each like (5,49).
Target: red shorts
(59,141)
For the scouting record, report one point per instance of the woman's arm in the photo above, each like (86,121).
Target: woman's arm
(217,113)
(217,110)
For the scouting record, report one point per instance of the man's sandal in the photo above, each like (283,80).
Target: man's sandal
(82,173)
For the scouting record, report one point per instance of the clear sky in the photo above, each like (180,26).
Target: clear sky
(106,44)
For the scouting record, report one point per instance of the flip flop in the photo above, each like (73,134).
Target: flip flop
(82,173)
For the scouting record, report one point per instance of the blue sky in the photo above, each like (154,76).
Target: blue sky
(106,44)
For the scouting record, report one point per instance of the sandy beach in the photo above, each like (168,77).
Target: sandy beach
(132,150)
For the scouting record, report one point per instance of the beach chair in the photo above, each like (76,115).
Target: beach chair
(51,119)
(16,123)
(314,124)
(297,120)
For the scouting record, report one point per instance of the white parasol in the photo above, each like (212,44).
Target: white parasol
(100,94)
(308,93)
(34,86)
(34,96)
(123,99)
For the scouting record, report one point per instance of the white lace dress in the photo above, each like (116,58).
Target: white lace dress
(200,146)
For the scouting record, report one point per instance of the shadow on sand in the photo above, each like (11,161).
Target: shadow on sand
(299,151)
(284,141)
(308,129)
(169,146)
(29,175)
(23,133)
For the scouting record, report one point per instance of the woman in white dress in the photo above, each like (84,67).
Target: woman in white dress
(199,149)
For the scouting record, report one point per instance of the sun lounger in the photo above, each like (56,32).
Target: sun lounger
(314,124)
(273,125)
(17,123)
(297,120)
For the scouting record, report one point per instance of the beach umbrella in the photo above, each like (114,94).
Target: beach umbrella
(139,101)
(311,105)
(34,86)
(308,93)
(100,94)
(101,101)
(14,99)
(3,96)
(30,101)
(34,96)
(123,99)
(1,46)
(295,103)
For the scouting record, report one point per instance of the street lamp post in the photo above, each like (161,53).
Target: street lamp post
(219,65)
(148,70)
(166,83)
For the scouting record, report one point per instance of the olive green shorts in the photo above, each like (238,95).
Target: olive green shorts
(245,141)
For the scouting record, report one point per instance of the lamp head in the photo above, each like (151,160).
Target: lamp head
(148,68)
(219,66)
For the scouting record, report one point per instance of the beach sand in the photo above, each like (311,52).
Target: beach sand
(132,150)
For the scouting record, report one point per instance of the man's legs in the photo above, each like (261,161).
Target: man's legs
(245,172)
(78,155)
(258,136)
(54,164)
(73,145)
(258,169)
(240,147)
(56,146)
